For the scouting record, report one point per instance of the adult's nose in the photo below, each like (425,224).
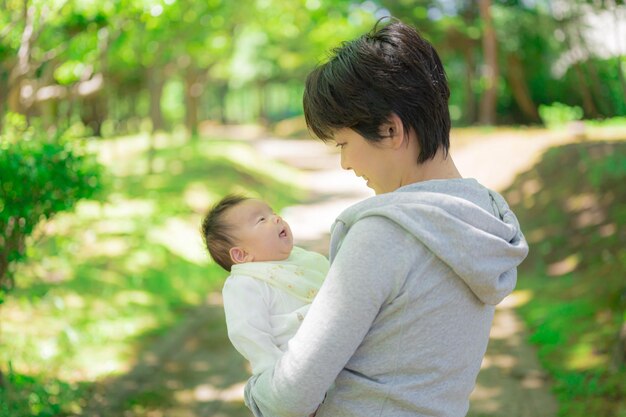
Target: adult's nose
(344,162)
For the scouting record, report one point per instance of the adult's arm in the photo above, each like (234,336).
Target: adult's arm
(367,271)
(246,306)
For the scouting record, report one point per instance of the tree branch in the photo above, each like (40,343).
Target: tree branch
(45,12)
(81,89)
(7,29)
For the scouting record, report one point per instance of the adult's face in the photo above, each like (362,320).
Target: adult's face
(374,162)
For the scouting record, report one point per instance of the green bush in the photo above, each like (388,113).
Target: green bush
(25,395)
(39,176)
(558,114)
(572,207)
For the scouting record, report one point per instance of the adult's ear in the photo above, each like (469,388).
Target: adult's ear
(394,130)
(239,255)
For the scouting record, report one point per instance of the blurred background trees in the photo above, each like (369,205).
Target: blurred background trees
(135,83)
(117,64)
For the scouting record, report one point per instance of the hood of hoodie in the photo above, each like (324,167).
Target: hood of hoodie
(467,226)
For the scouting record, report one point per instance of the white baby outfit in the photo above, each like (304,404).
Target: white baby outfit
(265,302)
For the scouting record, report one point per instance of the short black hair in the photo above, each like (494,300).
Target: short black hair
(391,69)
(217,234)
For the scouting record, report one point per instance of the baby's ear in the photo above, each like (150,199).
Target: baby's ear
(239,255)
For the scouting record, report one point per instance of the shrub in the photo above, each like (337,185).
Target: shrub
(558,114)
(572,207)
(39,176)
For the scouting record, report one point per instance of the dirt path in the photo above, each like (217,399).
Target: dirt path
(511,382)
(194,372)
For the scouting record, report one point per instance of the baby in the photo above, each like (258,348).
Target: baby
(271,284)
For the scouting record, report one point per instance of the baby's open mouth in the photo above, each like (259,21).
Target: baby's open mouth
(283,233)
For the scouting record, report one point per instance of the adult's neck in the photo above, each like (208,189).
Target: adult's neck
(440,167)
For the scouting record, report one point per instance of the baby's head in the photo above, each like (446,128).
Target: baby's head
(240,229)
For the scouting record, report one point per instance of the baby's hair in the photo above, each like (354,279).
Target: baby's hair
(217,234)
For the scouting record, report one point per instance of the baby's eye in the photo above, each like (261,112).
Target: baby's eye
(261,219)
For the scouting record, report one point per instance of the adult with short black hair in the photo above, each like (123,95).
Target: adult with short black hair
(401,324)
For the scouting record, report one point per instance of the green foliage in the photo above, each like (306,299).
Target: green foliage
(41,176)
(112,276)
(595,393)
(252,44)
(572,207)
(24,395)
(611,122)
(558,114)
(172,99)
(612,170)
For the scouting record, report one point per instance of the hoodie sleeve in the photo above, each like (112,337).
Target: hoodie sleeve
(357,285)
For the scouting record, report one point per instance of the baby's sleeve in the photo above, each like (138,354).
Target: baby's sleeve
(247,310)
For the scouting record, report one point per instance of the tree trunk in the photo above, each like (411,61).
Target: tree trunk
(155,89)
(49,113)
(490,51)
(596,90)
(620,70)
(519,88)
(588,106)
(264,118)
(618,356)
(22,66)
(470,101)
(131,117)
(222,92)
(103,96)
(193,90)
(3,96)
(93,114)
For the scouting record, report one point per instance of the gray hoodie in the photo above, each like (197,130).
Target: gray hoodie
(401,324)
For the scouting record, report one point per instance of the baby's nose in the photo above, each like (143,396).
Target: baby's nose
(277,218)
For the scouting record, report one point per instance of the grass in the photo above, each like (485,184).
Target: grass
(103,281)
(572,207)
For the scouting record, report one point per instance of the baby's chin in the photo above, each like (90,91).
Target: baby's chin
(284,257)
(278,257)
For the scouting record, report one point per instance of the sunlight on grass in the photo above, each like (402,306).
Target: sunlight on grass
(519,298)
(610,129)
(246,156)
(121,207)
(134,297)
(207,392)
(487,398)
(198,196)
(107,247)
(182,239)
(564,266)
(116,153)
(583,356)
(574,219)
(102,282)
(138,261)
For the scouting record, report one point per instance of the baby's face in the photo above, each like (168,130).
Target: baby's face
(259,232)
